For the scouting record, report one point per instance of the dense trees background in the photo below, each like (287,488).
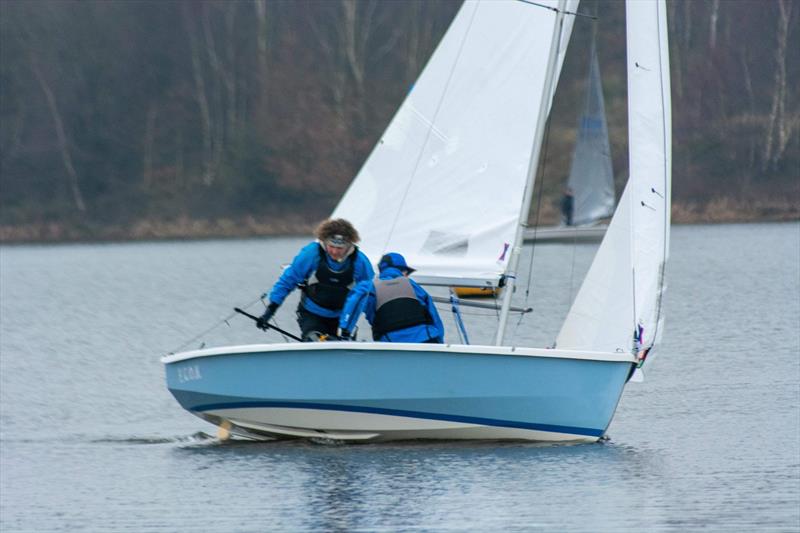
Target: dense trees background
(155,118)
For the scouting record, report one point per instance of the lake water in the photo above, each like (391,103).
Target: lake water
(91,440)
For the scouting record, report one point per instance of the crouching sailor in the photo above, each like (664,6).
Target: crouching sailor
(398,309)
(325,270)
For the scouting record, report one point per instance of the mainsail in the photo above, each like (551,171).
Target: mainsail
(444,185)
(591,177)
(621,295)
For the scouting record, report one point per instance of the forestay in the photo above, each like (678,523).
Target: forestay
(622,292)
(444,184)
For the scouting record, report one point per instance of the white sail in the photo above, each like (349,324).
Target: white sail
(625,283)
(444,185)
(591,177)
(650,133)
(601,317)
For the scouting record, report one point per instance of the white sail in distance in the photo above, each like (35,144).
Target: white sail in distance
(591,177)
(444,184)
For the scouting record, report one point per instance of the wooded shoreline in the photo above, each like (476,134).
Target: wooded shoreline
(716,212)
(150,120)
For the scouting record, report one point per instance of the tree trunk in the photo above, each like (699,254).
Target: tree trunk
(223,73)
(179,174)
(11,148)
(261,44)
(415,16)
(713,19)
(63,144)
(751,106)
(778,128)
(200,96)
(149,142)
(230,73)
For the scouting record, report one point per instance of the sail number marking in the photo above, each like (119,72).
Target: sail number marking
(189,373)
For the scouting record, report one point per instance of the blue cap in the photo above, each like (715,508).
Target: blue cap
(393,259)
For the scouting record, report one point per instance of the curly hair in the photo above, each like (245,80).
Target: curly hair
(336,226)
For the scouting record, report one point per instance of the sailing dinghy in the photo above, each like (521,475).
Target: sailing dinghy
(591,176)
(464,134)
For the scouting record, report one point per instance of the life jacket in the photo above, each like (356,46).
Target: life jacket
(397,307)
(328,288)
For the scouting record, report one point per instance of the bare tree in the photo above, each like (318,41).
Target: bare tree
(779,128)
(148,145)
(713,20)
(61,134)
(747,80)
(225,73)
(357,41)
(261,45)
(200,95)
(12,144)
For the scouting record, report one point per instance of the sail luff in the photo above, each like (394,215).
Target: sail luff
(533,165)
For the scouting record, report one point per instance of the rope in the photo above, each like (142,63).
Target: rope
(211,328)
(462,331)
(540,195)
(572,270)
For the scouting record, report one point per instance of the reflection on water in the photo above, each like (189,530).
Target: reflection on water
(90,439)
(431,486)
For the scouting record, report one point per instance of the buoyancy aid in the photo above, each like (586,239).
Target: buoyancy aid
(328,288)
(397,307)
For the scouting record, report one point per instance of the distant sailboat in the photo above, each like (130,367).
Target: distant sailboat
(448,185)
(591,177)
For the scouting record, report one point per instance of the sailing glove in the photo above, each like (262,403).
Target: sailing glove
(262,322)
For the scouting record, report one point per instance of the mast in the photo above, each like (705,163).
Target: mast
(533,164)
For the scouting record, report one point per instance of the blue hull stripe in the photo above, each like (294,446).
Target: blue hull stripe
(410,414)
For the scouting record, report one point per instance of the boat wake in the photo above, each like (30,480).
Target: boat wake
(194,438)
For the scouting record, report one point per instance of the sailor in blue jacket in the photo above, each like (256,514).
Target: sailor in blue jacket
(325,270)
(398,309)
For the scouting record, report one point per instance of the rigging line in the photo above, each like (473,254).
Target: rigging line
(430,127)
(206,331)
(488,313)
(280,331)
(480,314)
(540,180)
(285,338)
(572,270)
(575,13)
(516,326)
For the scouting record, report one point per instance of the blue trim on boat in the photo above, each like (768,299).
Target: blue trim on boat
(410,414)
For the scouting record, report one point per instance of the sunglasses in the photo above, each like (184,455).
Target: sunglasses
(337,243)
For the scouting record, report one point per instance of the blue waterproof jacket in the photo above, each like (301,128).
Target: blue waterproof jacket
(362,299)
(305,264)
